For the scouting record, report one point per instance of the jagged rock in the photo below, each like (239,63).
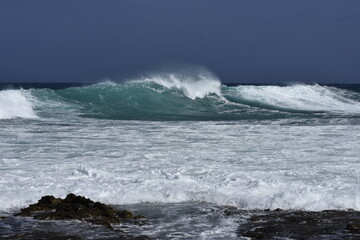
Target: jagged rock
(77,207)
(353,227)
(276,224)
(46,203)
(254,218)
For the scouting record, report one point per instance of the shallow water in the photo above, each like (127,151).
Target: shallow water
(185,221)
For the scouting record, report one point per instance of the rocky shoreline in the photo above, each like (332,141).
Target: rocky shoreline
(77,218)
(76,208)
(280,224)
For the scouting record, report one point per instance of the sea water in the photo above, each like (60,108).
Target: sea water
(178,147)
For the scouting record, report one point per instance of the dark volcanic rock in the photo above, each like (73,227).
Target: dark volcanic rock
(80,208)
(47,236)
(280,224)
(76,207)
(46,203)
(353,227)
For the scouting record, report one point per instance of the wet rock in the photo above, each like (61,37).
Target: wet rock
(42,236)
(79,208)
(278,224)
(233,211)
(254,218)
(76,207)
(46,203)
(353,227)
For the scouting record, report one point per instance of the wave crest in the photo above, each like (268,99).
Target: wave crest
(300,98)
(193,85)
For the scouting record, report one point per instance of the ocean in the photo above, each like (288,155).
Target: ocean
(179,148)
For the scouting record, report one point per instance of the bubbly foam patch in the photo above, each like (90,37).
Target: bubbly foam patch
(16,104)
(194,86)
(301,97)
(251,166)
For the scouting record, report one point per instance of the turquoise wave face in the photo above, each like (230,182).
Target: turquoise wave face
(146,101)
(156,100)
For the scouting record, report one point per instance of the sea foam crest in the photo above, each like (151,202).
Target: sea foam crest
(16,104)
(194,86)
(301,97)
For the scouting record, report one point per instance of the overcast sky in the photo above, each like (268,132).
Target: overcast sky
(240,41)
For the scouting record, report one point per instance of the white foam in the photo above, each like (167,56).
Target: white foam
(301,97)
(193,85)
(244,165)
(16,104)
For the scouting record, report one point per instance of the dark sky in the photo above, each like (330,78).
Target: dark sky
(249,41)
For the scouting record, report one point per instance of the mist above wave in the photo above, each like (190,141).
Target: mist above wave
(193,86)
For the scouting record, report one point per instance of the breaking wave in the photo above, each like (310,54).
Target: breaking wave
(173,96)
(299,97)
(198,87)
(16,104)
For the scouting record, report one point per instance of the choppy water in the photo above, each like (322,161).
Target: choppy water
(171,139)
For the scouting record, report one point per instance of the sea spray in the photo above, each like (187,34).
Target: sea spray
(300,97)
(193,86)
(16,104)
(253,165)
